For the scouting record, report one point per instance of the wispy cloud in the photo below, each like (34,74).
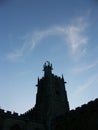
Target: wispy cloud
(84,68)
(75,36)
(72,33)
(80,91)
(86,85)
(16,53)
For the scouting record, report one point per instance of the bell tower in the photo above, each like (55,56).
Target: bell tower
(51,98)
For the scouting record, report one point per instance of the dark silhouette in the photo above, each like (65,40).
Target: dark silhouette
(15,127)
(51,111)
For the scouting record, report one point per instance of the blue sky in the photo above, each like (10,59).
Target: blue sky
(65,32)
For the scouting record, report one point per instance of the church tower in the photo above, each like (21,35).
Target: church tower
(51,98)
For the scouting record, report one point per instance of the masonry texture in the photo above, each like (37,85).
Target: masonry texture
(51,111)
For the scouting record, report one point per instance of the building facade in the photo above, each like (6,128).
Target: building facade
(51,111)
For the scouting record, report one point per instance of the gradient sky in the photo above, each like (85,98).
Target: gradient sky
(64,32)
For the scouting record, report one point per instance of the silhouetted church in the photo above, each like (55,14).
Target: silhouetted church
(51,111)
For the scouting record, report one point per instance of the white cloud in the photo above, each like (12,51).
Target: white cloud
(86,85)
(39,35)
(84,68)
(17,53)
(76,36)
(14,55)
(73,35)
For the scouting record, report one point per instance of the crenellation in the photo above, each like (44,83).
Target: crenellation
(8,113)
(78,109)
(2,111)
(15,114)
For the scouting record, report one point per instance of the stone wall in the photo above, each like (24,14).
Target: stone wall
(82,118)
(13,121)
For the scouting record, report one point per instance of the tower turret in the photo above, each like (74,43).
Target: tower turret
(47,68)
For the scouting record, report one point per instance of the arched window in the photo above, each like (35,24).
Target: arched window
(15,127)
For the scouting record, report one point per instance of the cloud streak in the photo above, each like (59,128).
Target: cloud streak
(18,53)
(84,68)
(85,86)
(73,34)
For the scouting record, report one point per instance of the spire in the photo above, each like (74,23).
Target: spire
(38,82)
(63,79)
(38,79)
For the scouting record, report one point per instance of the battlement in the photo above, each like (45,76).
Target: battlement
(8,113)
(29,115)
(92,105)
